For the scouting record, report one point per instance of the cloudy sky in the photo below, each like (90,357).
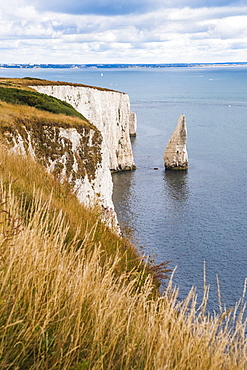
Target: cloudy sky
(123,31)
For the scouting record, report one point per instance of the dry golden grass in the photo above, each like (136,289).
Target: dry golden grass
(25,174)
(62,308)
(12,114)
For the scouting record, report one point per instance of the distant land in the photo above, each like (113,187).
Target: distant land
(164,65)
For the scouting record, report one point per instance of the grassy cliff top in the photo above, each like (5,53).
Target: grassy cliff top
(21,95)
(26,82)
(14,114)
(19,102)
(23,110)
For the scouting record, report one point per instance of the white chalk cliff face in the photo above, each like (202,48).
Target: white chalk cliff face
(109,111)
(73,155)
(175,155)
(89,173)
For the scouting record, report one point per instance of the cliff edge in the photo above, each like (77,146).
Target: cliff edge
(80,150)
(109,111)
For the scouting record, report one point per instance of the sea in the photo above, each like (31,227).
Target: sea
(196,219)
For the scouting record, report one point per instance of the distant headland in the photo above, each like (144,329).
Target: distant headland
(122,65)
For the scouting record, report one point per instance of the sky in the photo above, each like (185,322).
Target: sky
(123,31)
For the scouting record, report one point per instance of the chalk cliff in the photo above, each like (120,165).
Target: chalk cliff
(109,111)
(80,152)
(175,155)
(71,154)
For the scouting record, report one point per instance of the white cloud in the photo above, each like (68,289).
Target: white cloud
(230,27)
(163,35)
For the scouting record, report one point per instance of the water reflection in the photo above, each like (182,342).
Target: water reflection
(133,142)
(123,194)
(176,186)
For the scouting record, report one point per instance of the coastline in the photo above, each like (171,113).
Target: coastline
(120,66)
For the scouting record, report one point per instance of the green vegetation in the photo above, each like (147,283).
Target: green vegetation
(76,296)
(37,100)
(42,130)
(38,118)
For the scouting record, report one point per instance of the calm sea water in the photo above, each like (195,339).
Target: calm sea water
(185,217)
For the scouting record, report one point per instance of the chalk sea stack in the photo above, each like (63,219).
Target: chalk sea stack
(176,156)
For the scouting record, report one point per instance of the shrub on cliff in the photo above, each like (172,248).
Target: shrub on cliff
(37,100)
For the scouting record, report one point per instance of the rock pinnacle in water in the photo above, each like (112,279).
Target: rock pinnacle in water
(175,155)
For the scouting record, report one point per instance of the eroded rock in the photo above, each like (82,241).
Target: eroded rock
(175,155)
(109,111)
